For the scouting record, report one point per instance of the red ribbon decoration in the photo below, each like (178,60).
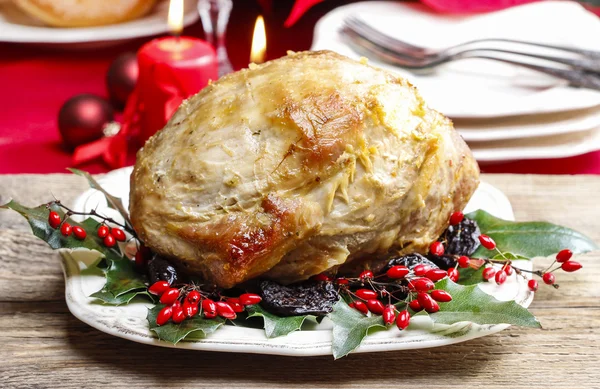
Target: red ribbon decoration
(114,149)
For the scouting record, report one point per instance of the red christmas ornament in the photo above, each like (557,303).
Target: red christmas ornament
(121,78)
(82,118)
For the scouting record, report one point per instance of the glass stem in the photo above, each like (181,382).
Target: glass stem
(215,17)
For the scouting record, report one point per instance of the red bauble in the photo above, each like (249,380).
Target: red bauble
(82,118)
(121,78)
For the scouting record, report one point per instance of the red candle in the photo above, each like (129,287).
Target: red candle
(171,70)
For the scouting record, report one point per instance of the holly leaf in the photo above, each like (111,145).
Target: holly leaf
(274,325)
(38,221)
(470,303)
(122,281)
(113,202)
(196,327)
(470,276)
(528,239)
(350,327)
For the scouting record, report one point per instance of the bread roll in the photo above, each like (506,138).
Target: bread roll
(85,13)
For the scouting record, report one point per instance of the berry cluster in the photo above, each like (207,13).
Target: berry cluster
(563,258)
(189,301)
(109,236)
(398,287)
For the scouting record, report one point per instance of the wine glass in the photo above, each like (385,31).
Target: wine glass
(215,16)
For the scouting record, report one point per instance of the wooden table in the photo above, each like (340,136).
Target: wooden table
(43,346)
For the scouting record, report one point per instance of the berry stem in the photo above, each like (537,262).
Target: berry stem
(93,212)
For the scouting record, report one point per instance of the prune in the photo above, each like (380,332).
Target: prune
(463,238)
(159,269)
(306,298)
(444,262)
(410,261)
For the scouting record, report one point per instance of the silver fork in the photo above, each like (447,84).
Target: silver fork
(576,77)
(396,44)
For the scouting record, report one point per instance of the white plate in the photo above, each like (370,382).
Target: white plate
(550,147)
(16,26)
(129,322)
(528,126)
(478,88)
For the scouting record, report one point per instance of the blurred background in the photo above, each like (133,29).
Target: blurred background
(85,83)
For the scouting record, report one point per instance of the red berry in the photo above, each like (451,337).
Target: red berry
(140,259)
(178,314)
(441,295)
(415,306)
(422,284)
(564,255)
(571,266)
(397,272)
(109,240)
(235,304)
(361,307)
(209,308)
(436,274)
(487,242)
(103,231)
(65,229)
(489,273)
(169,296)
(453,274)
(389,314)
(193,296)
(159,287)
(79,233)
(118,234)
(366,294)
(54,219)
(500,277)
(456,218)
(437,248)
(225,310)
(421,269)
(366,274)
(375,306)
(164,315)
(321,277)
(250,299)
(427,302)
(548,278)
(509,270)
(464,262)
(533,285)
(190,309)
(403,319)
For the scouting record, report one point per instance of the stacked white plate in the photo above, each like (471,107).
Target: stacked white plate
(503,111)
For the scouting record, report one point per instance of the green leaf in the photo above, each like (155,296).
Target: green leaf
(277,325)
(470,303)
(113,202)
(196,327)
(122,281)
(38,220)
(470,276)
(529,239)
(350,327)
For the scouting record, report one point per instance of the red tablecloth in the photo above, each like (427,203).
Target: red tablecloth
(35,81)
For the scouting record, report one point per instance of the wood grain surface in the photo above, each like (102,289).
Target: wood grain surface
(43,346)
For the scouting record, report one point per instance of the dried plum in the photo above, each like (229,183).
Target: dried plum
(159,269)
(444,262)
(306,298)
(410,261)
(463,238)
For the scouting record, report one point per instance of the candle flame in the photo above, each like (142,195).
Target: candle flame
(175,19)
(259,41)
